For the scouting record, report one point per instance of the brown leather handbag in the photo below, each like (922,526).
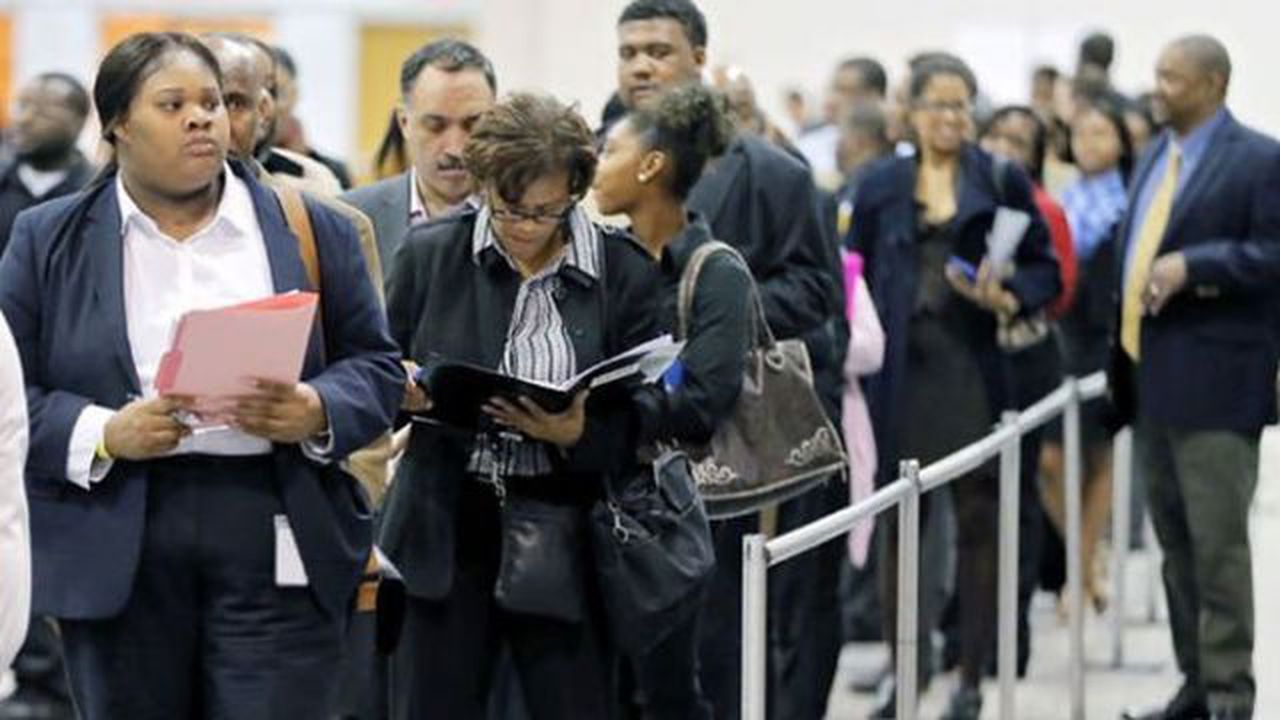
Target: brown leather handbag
(778,442)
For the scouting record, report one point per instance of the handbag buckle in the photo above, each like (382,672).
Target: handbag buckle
(620,531)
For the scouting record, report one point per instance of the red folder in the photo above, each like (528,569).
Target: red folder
(217,354)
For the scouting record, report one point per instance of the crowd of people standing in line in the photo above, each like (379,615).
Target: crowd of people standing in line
(1151,249)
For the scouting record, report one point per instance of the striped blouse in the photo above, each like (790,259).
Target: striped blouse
(538,346)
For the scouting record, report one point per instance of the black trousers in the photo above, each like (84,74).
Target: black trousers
(444,664)
(976,503)
(668,678)
(207,634)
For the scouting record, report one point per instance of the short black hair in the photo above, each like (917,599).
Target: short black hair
(128,65)
(285,60)
(872,72)
(77,95)
(937,65)
(1209,54)
(449,55)
(1039,139)
(682,11)
(1098,49)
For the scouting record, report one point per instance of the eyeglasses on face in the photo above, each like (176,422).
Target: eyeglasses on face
(542,216)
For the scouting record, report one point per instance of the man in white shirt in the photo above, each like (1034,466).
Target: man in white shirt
(15,545)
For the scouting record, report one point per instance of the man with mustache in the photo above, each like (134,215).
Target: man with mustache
(445,86)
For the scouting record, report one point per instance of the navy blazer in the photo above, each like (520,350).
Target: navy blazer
(885,230)
(1209,358)
(61,288)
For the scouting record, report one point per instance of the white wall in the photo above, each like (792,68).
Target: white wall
(797,42)
(567,46)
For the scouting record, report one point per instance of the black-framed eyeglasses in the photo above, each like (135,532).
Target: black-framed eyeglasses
(511,215)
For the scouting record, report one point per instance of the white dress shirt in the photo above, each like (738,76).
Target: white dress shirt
(224,263)
(15,545)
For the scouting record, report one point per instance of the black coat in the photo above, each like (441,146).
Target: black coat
(440,301)
(15,197)
(885,231)
(763,202)
(715,348)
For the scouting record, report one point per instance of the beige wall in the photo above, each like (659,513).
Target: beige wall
(567,46)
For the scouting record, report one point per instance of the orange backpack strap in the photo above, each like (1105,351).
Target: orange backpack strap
(295,213)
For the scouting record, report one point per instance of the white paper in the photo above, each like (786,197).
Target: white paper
(289,569)
(1007,230)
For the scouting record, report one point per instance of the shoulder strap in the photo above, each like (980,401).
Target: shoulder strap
(760,331)
(689,282)
(295,213)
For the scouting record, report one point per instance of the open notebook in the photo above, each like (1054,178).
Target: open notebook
(459,390)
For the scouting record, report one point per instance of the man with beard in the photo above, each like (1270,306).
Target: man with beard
(445,86)
(763,201)
(48,117)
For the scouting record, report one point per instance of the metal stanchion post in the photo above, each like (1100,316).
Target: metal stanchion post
(1010,494)
(755,596)
(1122,485)
(1075,595)
(908,592)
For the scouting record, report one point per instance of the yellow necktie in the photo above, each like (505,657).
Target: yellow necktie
(1144,253)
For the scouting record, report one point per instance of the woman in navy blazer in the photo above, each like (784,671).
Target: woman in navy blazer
(193,575)
(922,225)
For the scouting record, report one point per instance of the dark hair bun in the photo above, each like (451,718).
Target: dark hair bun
(698,116)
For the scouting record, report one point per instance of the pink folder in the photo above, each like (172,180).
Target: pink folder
(216,354)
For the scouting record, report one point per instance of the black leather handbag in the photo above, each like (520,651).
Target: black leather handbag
(543,566)
(653,552)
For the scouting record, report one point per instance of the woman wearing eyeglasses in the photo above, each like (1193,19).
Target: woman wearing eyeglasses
(922,224)
(526,284)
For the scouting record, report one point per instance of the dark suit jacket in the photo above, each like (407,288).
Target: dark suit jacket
(15,197)
(61,288)
(386,203)
(763,202)
(1209,358)
(885,231)
(441,302)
